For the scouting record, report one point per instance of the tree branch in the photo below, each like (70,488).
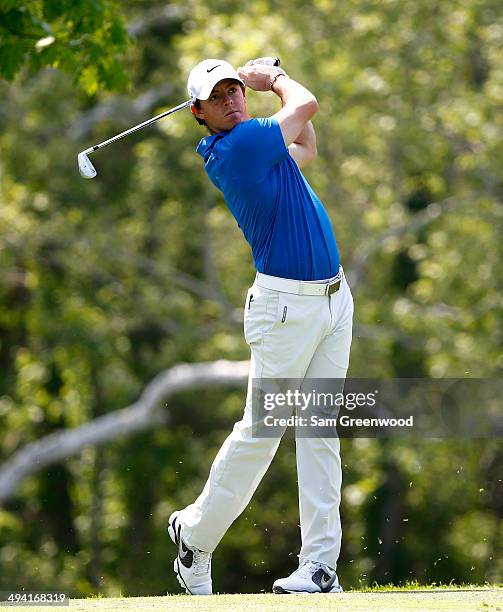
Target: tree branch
(157,18)
(145,413)
(120,110)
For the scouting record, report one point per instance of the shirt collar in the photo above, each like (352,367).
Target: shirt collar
(207,143)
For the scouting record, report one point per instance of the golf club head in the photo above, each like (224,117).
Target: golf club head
(86,168)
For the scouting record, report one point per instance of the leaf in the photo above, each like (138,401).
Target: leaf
(117,33)
(8,5)
(11,59)
(88,79)
(52,9)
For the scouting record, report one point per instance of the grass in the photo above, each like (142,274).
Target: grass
(413,585)
(462,598)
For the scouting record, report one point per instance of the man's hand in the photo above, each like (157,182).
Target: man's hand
(298,106)
(258,76)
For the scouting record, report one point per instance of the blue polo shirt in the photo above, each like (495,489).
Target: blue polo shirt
(279,214)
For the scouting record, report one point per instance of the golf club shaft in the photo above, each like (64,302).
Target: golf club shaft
(265,60)
(138,127)
(87,169)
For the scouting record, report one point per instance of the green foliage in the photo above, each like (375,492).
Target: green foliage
(84,39)
(106,283)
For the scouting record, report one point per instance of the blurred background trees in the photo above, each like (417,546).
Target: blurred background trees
(105,283)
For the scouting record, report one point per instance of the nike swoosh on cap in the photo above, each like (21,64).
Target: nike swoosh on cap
(210,69)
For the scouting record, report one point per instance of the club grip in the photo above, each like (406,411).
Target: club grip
(268,61)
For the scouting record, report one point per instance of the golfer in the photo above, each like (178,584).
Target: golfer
(297,316)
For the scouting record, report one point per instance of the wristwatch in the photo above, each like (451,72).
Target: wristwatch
(275,78)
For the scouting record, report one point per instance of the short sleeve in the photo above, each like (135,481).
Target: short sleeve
(254,146)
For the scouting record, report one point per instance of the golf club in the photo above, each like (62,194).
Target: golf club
(87,169)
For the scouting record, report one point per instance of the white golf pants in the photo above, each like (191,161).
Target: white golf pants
(290,336)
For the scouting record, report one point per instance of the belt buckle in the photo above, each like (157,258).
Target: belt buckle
(332,288)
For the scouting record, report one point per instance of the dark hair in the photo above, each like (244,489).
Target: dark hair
(197,104)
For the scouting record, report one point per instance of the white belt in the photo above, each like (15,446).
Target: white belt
(288,285)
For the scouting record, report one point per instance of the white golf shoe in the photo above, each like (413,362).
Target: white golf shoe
(310,577)
(192,566)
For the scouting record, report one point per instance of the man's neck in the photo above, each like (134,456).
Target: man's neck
(214,132)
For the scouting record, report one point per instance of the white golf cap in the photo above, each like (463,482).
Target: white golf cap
(207,74)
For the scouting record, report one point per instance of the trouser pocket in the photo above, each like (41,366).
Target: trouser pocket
(260,313)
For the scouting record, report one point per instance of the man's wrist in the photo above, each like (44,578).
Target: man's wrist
(275,78)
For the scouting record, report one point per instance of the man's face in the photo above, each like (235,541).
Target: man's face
(225,108)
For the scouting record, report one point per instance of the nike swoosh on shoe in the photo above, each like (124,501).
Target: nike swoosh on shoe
(326,585)
(185,555)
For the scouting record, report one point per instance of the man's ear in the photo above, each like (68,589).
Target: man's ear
(197,112)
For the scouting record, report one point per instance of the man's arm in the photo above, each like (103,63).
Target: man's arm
(298,106)
(303,148)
